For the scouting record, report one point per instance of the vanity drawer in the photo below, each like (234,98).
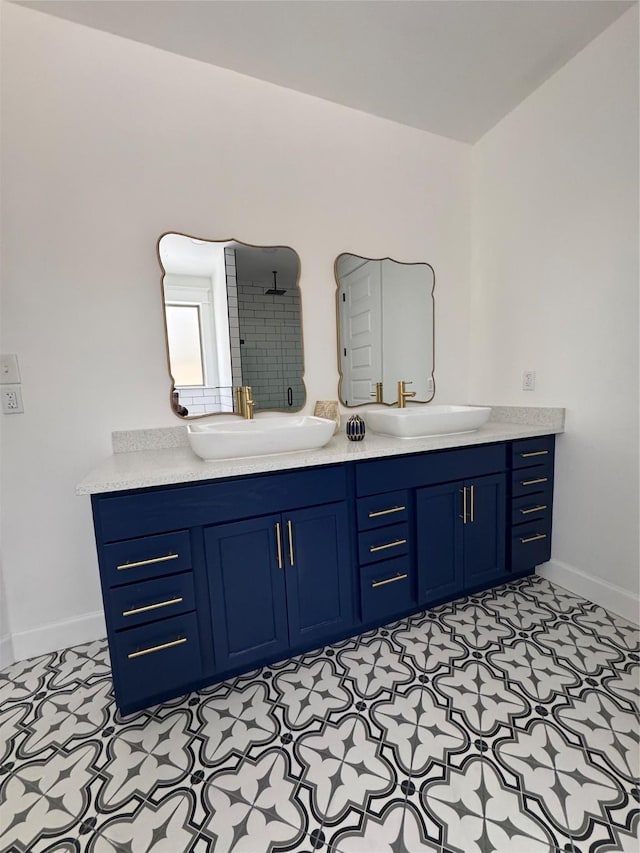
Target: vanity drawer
(530,545)
(383,543)
(531,481)
(529,508)
(156,659)
(125,516)
(380,510)
(427,469)
(386,590)
(146,558)
(138,603)
(532,451)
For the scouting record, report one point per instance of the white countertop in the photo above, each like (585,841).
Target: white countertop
(161,467)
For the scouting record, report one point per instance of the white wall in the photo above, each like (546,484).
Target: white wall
(106,145)
(555,289)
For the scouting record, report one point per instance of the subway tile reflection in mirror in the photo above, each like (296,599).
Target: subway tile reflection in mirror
(232,318)
(385,329)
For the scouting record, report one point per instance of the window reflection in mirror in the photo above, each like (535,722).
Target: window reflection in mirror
(232,317)
(385,328)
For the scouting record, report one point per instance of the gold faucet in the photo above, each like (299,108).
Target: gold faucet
(244,401)
(247,402)
(403,394)
(239,400)
(378,393)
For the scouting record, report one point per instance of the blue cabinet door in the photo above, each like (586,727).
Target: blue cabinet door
(485,530)
(439,531)
(247,592)
(318,573)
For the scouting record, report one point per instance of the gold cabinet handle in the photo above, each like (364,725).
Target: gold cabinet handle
(535,538)
(135,610)
(537,508)
(380,512)
(147,562)
(464,505)
(159,648)
(279,544)
(290,532)
(374,548)
(534,453)
(473,502)
(534,482)
(376,584)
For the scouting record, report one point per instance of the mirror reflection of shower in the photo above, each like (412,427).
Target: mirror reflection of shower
(232,315)
(275,291)
(269,315)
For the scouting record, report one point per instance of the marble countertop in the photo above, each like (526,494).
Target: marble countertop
(176,463)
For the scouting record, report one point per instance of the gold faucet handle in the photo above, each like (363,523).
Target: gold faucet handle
(377,393)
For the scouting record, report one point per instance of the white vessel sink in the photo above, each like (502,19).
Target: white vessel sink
(416,421)
(263,435)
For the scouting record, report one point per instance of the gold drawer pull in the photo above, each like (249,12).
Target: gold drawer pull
(160,648)
(533,538)
(534,482)
(534,453)
(374,548)
(147,562)
(134,611)
(538,508)
(279,544)
(380,512)
(290,532)
(376,584)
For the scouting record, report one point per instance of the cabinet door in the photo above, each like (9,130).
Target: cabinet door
(439,542)
(319,582)
(484,532)
(247,592)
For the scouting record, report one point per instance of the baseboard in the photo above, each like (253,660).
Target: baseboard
(6,651)
(607,595)
(58,635)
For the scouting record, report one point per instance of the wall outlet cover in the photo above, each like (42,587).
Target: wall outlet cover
(11,399)
(528,380)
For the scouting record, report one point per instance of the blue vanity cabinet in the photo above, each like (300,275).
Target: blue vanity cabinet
(204,580)
(440,542)
(278,582)
(456,534)
(484,554)
(247,591)
(531,502)
(157,637)
(318,571)
(460,536)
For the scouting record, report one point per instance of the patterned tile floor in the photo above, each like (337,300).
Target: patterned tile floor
(507,721)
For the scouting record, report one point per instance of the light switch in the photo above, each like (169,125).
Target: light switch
(9,373)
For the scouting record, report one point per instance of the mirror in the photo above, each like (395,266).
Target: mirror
(385,329)
(232,317)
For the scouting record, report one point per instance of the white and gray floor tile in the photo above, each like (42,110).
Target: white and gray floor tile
(506,721)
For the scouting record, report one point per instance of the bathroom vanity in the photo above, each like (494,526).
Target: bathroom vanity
(212,569)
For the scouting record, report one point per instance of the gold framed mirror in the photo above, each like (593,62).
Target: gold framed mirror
(232,317)
(385,319)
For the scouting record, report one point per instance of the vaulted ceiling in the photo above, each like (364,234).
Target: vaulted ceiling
(452,67)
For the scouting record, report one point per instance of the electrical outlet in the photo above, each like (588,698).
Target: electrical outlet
(11,399)
(9,373)
(528,380)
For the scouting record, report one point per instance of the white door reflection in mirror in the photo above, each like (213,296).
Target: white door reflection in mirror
(232,318)
(360,296)
(385,325)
